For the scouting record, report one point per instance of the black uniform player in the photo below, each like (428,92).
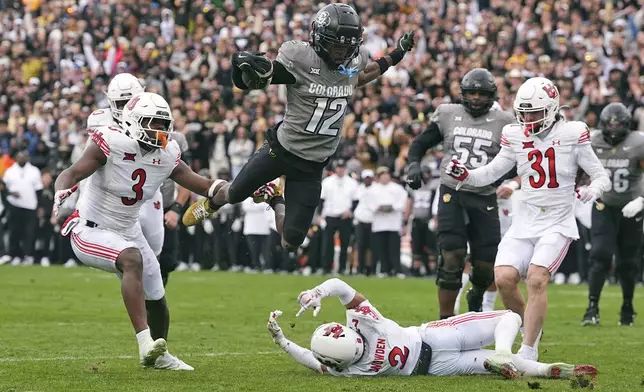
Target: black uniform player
(617,217)
(320,76)
(472,132)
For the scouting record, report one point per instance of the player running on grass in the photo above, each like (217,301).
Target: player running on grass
(370,344)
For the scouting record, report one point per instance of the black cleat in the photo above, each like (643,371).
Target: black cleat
(591,317)
(627,316)
(474,302)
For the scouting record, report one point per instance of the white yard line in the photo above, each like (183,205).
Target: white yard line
(110,357)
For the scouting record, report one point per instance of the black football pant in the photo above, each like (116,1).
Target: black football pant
(363,243)
(301,191)
(23,224)
(612,234)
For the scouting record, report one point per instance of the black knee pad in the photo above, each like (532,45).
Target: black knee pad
(450,269)
(293,238)
(482,274)
(486,253)
(449,280)
(449,241)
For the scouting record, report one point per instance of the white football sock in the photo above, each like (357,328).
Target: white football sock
(489,298)
(505,333)
(530,368)
(144,337)
(465,279)
(528,352)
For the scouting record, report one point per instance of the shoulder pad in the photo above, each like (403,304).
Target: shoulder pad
(291,52)
(100,117)
(577,130)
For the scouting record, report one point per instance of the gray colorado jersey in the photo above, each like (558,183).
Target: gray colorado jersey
(317,102)
(474,141)
(622,162)
(168,186)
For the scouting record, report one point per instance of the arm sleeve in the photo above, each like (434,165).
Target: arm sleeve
(302,355)
(500,165)
(588,161)
(426,140)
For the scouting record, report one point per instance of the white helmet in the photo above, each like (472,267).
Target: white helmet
(336,346)
(123,87)
(148,119)
(536,95)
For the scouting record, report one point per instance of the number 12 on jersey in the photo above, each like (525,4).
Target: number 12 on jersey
(325,106)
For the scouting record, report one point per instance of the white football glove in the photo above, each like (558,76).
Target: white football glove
(274,328)
(61,196)
(588,194)
(633,207)
(310,299)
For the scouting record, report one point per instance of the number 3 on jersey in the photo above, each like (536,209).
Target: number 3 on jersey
(324,107)
(536,157)
(139,176)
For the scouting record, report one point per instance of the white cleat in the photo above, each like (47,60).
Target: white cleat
(168,361)
(5,259)
(151,351)
(44,262)
(71,263)
(16,261)
(503,366)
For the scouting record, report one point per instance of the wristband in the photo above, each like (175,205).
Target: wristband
(383,64)
(513,185)
(176,207)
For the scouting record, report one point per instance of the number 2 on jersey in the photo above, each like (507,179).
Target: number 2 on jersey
(540,179)
(139,176)
(398,356)
(338,106)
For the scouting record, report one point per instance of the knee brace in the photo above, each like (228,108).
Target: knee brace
(486,253)
(482,274)
(450,269)
(293,238)
(450,242)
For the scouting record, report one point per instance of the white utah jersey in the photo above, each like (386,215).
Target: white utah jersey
(389,349)
(548,165)
(113,195)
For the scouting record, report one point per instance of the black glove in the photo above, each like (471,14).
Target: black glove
(257,68)
(406,42)
(414,175)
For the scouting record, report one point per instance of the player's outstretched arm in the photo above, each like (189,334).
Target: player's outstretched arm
(184,176)
(92,159)
(312,299)
(256,64)
(302,355)
(500,165)
(374,69)
(430,137)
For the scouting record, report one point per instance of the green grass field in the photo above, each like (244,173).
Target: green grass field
(66,330)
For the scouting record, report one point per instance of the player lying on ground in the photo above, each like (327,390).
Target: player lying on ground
(320,76)
(124,168)
(548,152)
(371,344)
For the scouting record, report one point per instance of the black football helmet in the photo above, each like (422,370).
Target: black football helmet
(336,34)
(481,81)
(615,122)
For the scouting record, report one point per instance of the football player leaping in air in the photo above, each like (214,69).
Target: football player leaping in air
(371,344)
(548,152)
(124,168)
(321,76)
